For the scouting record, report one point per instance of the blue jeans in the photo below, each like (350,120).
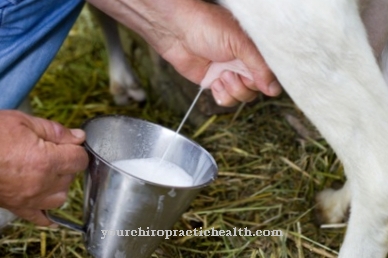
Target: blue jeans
(31,33)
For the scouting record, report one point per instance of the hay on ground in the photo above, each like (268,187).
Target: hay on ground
(268,174)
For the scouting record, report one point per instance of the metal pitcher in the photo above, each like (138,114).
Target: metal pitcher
(116,200)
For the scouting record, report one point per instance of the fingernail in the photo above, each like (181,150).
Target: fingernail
(274,88)
(77,133)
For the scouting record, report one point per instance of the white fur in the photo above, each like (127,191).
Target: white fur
(334,204)
(320,53)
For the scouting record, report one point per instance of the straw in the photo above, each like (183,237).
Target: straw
(269,173)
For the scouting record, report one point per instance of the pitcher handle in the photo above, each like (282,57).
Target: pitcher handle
(64,222)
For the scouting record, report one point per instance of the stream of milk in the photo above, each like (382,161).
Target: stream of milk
(158,170)
(182,123)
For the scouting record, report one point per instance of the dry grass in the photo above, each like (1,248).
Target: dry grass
(267,179)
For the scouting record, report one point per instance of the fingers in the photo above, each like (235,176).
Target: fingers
(231,89)
(274,88)
(63,184)
(51,202)
(41,196)
(39,160)
(237,88)
(266,82)
(33,215)
(54,132)
(264,79)
(45,203)
(66,158)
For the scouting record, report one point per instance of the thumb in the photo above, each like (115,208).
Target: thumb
(54,132)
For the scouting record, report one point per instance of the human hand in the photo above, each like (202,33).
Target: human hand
(212,35)
(191,35)
(38,161)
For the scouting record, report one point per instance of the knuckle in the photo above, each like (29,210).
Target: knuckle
(58,129)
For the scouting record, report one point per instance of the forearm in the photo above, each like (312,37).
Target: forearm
(152,20)
(191,35)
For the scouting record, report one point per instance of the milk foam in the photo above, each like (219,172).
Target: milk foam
(155,170)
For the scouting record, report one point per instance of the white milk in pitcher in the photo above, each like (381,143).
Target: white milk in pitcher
(155,170)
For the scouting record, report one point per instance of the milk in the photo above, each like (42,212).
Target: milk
(158,170)
(155,170)
(183,121)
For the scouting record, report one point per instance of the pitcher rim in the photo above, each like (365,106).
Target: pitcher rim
(88,147)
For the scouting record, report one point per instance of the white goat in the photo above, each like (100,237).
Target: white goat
(320,53)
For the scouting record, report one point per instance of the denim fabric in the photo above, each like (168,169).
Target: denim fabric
(31,33)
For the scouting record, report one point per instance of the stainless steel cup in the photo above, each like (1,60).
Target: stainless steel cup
(116,200)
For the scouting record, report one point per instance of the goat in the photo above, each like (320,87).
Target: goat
(320,53)
(123,82)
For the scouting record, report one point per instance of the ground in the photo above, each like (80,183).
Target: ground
(268,174)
